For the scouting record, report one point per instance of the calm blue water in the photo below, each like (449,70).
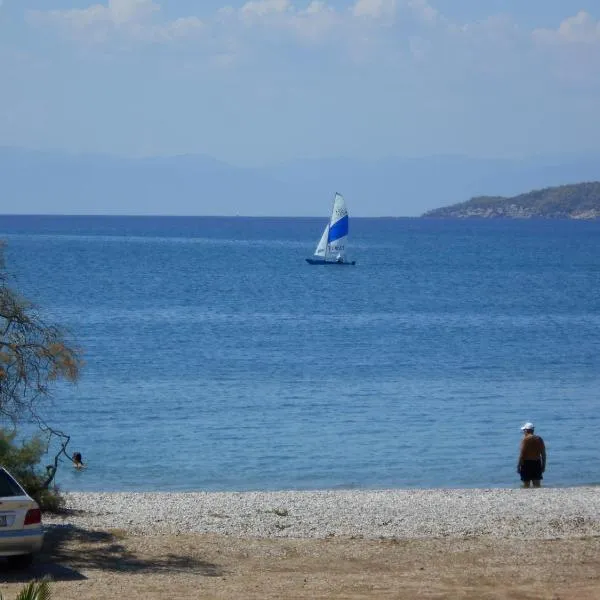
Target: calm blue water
(217,359)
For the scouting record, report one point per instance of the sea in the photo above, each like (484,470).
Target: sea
(217,359)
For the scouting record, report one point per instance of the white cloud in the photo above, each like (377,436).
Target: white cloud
(489,31)
(306,21)
(316,21)
(141,19)
(184,26)
(316,7)
(579,29)
(117,12)
(367,31)
(261,8)
(375,9)
(274,17)
(573,50)
(132,18)
(124,11)
(423,10)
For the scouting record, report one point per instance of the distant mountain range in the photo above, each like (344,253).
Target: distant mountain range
(577,201)
(36,182)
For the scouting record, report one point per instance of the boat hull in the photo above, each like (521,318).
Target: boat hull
(321,261)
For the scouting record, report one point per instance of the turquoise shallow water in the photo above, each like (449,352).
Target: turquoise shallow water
(217,359)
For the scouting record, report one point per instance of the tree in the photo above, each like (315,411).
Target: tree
(33,355)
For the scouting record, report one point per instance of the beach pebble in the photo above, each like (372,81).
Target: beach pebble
(536,513)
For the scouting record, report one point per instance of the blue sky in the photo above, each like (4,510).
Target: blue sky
(261,81)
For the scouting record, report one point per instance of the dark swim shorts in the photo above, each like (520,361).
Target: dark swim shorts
(531,470)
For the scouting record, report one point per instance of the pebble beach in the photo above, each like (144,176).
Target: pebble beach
(474,544)
(546,513)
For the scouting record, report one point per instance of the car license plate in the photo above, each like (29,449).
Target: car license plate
(2,520)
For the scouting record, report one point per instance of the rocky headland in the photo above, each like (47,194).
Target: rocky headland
(575,201)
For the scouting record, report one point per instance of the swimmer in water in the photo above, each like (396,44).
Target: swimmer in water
(77,460)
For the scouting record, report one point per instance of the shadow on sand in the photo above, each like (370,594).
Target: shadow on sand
(68,550)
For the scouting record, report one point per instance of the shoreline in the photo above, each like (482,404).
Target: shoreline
(546,513)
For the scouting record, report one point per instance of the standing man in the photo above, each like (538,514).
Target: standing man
(532,457)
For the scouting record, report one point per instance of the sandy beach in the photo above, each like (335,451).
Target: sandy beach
(518,544)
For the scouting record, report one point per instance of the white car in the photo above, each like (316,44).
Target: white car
(21,532)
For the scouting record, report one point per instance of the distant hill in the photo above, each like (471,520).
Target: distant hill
(576,201)
(53,182)
(35,182)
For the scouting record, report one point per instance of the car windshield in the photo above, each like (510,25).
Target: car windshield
(8,486)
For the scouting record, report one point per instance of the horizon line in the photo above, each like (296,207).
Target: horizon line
(162,216)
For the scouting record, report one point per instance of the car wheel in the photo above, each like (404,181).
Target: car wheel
(20,561)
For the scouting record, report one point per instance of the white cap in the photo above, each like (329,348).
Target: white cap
(527,426)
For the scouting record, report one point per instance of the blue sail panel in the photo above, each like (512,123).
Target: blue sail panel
(338,230)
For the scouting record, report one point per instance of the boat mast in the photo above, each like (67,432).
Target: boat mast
(329,225)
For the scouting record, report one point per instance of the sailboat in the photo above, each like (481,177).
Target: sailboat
(331,249)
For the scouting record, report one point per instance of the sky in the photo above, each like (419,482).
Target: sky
(258,82)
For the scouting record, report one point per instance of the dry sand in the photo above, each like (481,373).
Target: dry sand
(88,565)
(91,562)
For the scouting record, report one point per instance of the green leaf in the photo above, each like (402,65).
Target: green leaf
(35,590)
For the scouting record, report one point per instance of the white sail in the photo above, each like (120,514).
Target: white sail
(322,245)
(331,248)
(338,227)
